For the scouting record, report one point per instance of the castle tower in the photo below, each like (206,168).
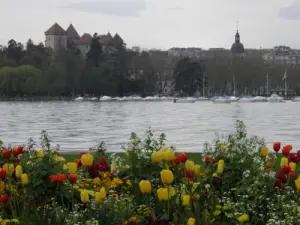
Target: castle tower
(72,34)
(56,38)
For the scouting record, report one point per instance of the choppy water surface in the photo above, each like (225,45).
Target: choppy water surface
(76,126)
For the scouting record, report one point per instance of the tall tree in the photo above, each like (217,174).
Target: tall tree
(188,75)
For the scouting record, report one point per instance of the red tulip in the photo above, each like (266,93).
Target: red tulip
(103,165)
(207,160)
(182,157)
(276,146)
(78,161)
(72,178)
(53,178)
(280,175)
(176,161)
(286,169)
(292,173)
(4,198)
(18,150)
(278,184)
(6,154)
(293,157)
(2,173)
(82,153)
(286,150)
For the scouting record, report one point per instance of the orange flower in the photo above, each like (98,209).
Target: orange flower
(57,178)
(286,150)
(61,178)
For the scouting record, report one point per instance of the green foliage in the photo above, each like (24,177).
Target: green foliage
(188,75)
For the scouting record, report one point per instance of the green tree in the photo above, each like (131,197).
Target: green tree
(188,75)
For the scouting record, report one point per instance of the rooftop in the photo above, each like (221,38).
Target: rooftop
(55,30)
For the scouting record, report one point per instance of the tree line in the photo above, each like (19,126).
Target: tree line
(33,70)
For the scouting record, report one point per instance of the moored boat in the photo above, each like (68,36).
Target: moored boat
(184,100)
(275,98)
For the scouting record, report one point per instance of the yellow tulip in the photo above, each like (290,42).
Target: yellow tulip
(39,154)
(162,194)
(297,184)
(186,200)
(167,154)
(100,195)
(189,165)
(197,170)
(293,166)
(220,167)
(19,171)
(243,218)
(72,167)
(191,221)
(166,176)
(87,160)
(156,157)
(171,191)
(145,186)
(24,179)
(9,168)
(264,151)
(284,162)
(84,195)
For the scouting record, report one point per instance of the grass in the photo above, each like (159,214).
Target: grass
(196,157)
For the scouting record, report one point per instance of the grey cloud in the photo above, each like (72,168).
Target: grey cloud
(291,12)
(111,7)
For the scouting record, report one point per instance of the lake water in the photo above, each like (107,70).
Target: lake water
(76,126)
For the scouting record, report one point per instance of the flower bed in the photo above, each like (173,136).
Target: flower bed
(239,181)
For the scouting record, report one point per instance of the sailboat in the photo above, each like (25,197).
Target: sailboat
(276,98)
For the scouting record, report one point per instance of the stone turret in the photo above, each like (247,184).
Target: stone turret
(72,34)
(56,38)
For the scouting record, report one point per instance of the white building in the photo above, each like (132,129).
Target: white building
(282,55)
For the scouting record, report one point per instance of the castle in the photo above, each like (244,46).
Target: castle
(59,39)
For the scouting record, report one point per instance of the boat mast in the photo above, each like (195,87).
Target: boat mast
(234,92)
(285,83)
(203,86)
(267,83)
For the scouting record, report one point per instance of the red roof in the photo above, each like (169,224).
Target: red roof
(85,39)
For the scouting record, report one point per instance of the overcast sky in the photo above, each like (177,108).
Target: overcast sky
(159,23)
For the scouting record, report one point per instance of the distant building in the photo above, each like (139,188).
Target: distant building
(282,55)
(237,47)
(186,52)
(59,39)
(56,38)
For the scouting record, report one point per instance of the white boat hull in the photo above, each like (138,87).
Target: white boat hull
(246,100)
(185,101)
(222,101)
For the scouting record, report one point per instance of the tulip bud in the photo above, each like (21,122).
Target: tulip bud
(167,176)
(19,171)
(145,186)
(24,179)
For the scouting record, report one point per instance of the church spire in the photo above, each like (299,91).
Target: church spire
(237,35)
